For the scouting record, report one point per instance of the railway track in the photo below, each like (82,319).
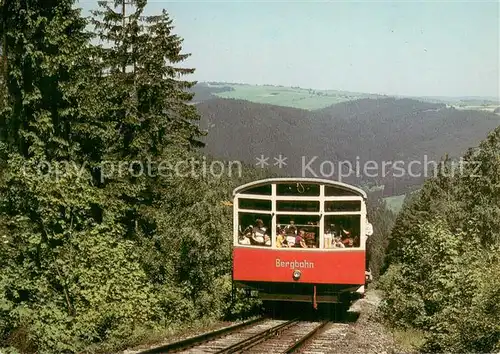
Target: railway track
(257,336)
(289,340)
(330,340)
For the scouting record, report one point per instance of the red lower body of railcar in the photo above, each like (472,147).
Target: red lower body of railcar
(300,275)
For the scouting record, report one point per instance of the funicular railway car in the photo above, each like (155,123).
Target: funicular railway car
(298,239)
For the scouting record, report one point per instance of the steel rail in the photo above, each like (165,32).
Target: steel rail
(257,338)
(299,343)
(197,340)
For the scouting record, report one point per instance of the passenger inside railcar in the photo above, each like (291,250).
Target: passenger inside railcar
(348,242)
(330,235)
(310,239)
(244,240)
(357,241)
(253,229)
(281,238)
(328,238)
(245,235)
(347,239)
(290,240)
(290,232)
(307,227)
(260,235)
(337,242)
(300,240)
(291,229)
(344,229)
(310,235)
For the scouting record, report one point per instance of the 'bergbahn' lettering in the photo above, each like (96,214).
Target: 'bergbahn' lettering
(293,264)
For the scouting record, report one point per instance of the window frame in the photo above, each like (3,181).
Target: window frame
(322,199)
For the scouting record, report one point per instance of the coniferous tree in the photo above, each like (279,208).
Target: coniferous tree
(40,70)
(148,103)
(151,102)
(60,256)
(153,124)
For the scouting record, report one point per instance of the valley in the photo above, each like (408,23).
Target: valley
(389,142)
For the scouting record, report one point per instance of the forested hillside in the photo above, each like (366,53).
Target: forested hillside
(380,130)
(202,92)
(444,257)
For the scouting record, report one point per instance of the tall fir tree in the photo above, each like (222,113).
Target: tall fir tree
(152,107)
(60,255)
(39,76)
(149,106)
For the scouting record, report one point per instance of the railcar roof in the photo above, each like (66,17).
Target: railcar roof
(326,182)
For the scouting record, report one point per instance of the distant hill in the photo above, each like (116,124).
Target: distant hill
(295,97)
(204,91)
(386,129)
(313,99)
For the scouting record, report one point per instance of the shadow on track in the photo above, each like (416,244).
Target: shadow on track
(305,311)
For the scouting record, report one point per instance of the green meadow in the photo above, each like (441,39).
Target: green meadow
(311,99)
(296,97)
(395,203)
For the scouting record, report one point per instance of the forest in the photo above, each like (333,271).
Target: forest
(92,258)
(97,259)
(443,257)
(380,130)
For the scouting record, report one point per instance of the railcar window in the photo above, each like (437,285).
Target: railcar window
(293,205)
(261,190)
(254,229)
(342,231)
(297,189)
(297,231)
(347,205)
(254,204)
(338,192)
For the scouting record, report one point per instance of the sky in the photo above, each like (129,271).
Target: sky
(431,48)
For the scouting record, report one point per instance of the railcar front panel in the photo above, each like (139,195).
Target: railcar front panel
(316,267)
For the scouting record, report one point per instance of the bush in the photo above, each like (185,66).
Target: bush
(445,287)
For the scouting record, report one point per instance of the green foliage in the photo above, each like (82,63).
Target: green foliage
(41,76)
(470,321)
(382,220)
(243,306)
(430,256)
(89,252)
(65,278)
(443,256)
